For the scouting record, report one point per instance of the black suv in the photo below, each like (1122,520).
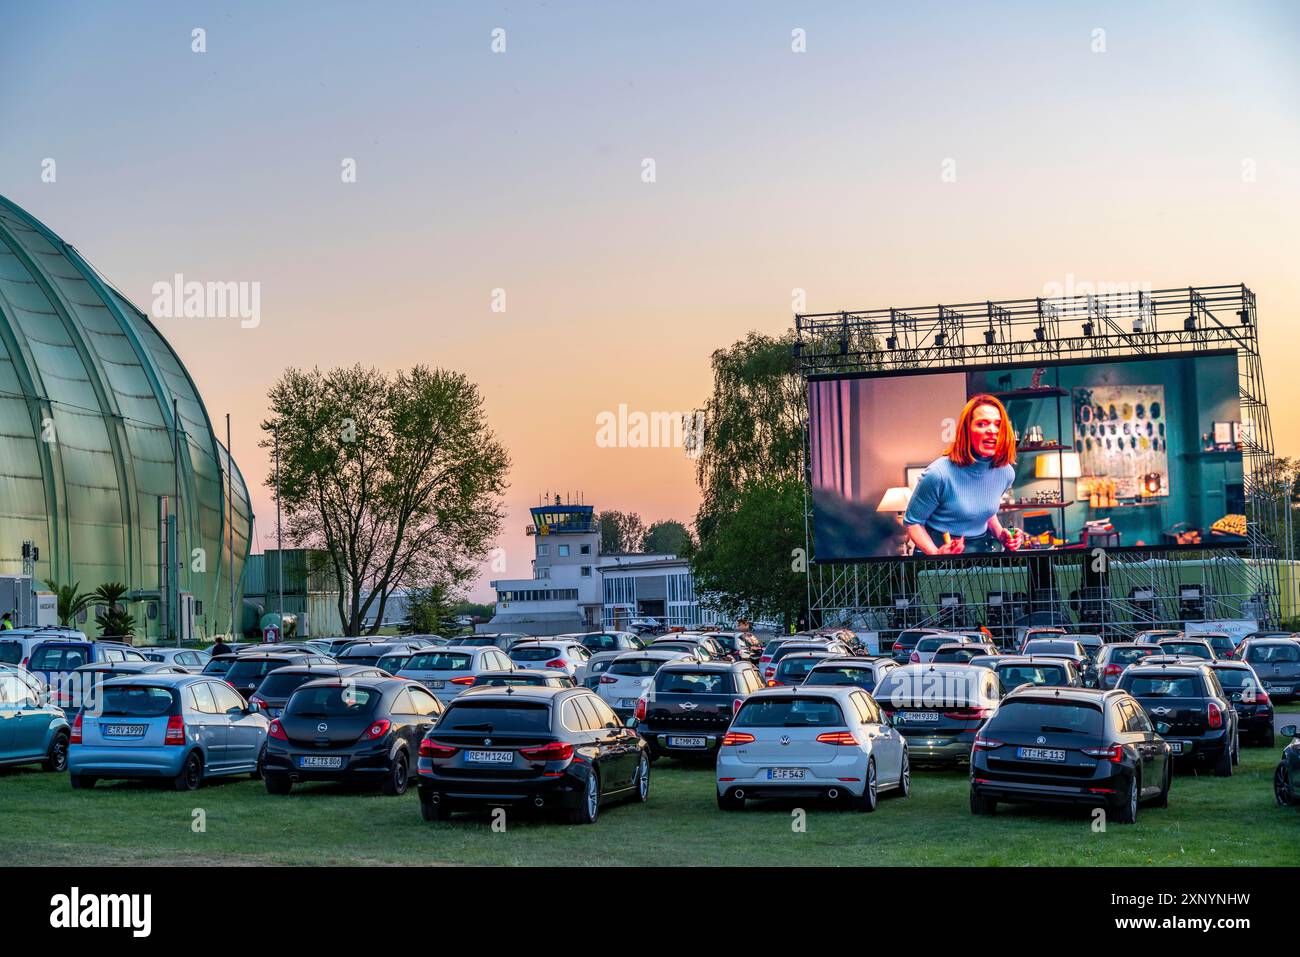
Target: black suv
(1286,779)
(557,748)
(1070,746)
(688,707)
(1188,707)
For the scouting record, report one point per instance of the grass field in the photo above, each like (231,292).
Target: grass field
(1209,821)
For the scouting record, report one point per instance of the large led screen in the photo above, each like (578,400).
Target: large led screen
(1122,454)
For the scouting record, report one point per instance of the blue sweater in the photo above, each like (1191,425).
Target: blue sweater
(959,499)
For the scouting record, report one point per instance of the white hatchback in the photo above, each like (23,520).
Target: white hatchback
(448,670)
(823,742)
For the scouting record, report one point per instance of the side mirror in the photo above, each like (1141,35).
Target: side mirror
(1290,731)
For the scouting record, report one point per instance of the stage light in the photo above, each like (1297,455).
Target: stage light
(1189,324)
(939,339)
(891,342)
(990,336)
(1244,315)
(1087,329)
(1140,324)
(1040,333)
(797,349)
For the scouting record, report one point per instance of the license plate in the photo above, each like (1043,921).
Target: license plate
(1176,747)
(123,730)
(326,763)
(786,774)
(627,702)
(687,742)
(490,757)
(437,684)
(1280,689)
(921,715)
(1040,754)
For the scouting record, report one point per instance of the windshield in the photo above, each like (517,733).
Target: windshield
(439,661)
(1192,648)
(1041,647)
(1013,676)
(11,652)
(1126,656)
(637,667)
(136,702)
(535,653)
(496,716)
(857,677)
(281,685)
(332,701)
(244,668)
(1273,654)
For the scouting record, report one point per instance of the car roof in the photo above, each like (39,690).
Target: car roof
(649,654)
(1187,666)
(329,668)
(542,693)
(264,656)
(1230,664)
(1094,695)
(817,655)
(804,691)
(378,682)
(160,679)
(854,660)
(1032,660)
(718,666)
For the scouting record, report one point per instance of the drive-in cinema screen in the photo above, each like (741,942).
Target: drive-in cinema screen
(1121,454)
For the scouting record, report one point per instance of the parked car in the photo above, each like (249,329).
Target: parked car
(938,708)
(1186,647)
(712,648)
(690,649)
(1016,670)
(687,707)
(369,652)
(644,626)
(544,748)
(1286,778)
(179,728)
(1277,662)
(16,644)
(961,653)
(1224,645)
(850,672)
(248,672)
(504,640)
(988,661)
(597,665)
(349,729)
(218,665)
(87,680)
(1117,656)
(450,669)
(279,685)
(1187,705)
(1092,645)
(742,645)
(1064,648)
(394,661)
(829,742)
(188,659)
(569,657)
(1072,746)
(623,683)
(1249,699)
(772,656)
(522,677)
(906,642)
(924,651)
(32,729)
(1026,633)
(55,659)
(338,644)
(1153,635)
(793,668)
(598,641)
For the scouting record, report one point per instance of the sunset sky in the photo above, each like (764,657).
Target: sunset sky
(1169,157)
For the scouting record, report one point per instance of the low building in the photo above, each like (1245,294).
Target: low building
(648,586)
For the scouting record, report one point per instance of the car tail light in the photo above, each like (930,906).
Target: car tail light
(640,709)
(732,738)
(175,730)
(555,751)
(467,680)
(75,736)
(1113,670)
(1215,715)
(256,703)
(985,744)
(764,659)
(773,683)
(432,749)
(276,730)
(607,680)
(378,729)
(967,714)
(1113,753)
(1261,697)
(838,737)
(557,663)
(735,706)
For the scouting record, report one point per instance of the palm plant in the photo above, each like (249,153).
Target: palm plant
(115,621)
(71,602)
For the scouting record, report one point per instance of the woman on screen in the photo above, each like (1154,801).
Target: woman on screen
(955,506)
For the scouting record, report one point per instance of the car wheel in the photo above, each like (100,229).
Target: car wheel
(905,779)
(1126,810)
(642,793)
(870,794)
(56,759)
(588,808)
(80,781)
(257,773)
(434,812)
(1223,766)
(190,777)
(1270,739)
(1282,785)
(729,802)
(980,804)
(277,783)
(395,783)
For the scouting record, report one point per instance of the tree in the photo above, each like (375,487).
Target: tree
(668,538)
(398,478)
(71,602)
(621,532)
(751,563)
(430,611)
(115,621)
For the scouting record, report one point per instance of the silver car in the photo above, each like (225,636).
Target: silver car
(569,657)
(447,670)
(187,659)
(626,680)
(829,742)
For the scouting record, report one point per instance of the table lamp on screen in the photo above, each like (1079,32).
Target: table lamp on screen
(895,500)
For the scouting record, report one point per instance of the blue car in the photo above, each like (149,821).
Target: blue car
(55,660)
(178,728)
(31,729)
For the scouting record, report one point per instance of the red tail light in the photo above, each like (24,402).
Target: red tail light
(735,706)
(838,737)
(1215,715)
(985,744)
(1114,753)
(75,736)
(175,730)
(732,738)
(607,680)
(1261,697)
(764,659)
(773,683)
(967,714)
(555,751)
(378,729)
(432,749)
(1113,669)
(467,680)
(276,730)
(640,709)
(557,663)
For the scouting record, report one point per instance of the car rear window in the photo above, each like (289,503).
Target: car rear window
(136,701)
(282,685)
(803,712)
(1163,686)
(796,667)
(439,661)
(637,667)
(535,653)
(11,652)
(254,669)
(1126,656)
(1236,678)
(693,682)
(857,677)
(953,687)
(908,639)
(1013,676)
(501,679)
(1193,648)
(1273,653)
(496,716)
(1059,716)
(332,701)
(926,645)
(218,666)
(950,655)
(1041,647)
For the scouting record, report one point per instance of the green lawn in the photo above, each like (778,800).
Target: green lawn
(1209,821)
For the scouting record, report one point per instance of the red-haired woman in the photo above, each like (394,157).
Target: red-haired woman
(955,506)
